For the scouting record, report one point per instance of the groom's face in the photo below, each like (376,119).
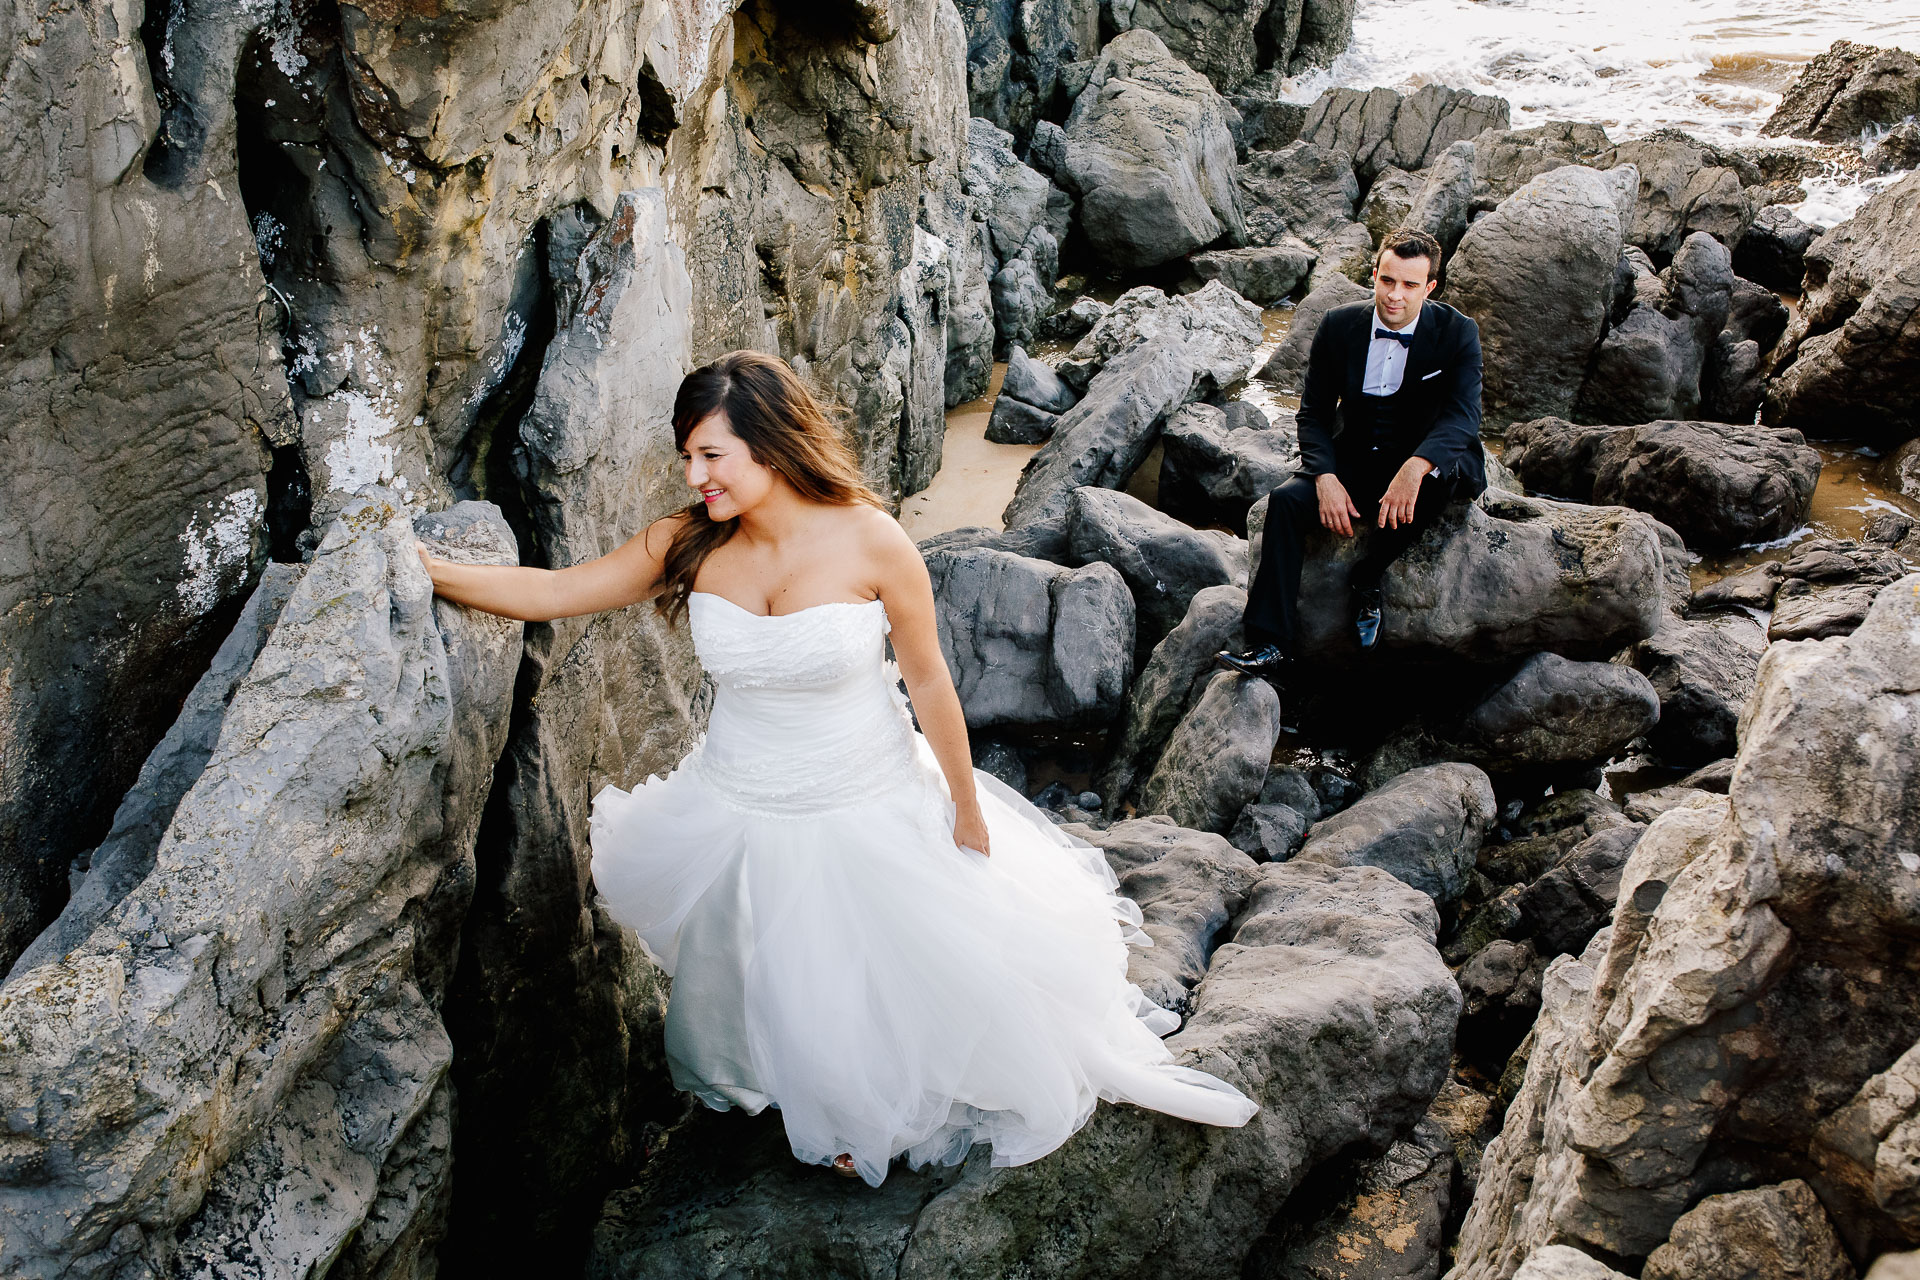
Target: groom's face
(1400,287)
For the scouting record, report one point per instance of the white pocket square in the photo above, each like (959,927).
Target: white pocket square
(1436,373)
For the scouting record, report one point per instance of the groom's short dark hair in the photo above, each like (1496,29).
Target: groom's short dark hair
(1407,243)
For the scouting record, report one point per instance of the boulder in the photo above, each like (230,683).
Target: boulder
(1826,587)
(1302,190)
(1073,321)
(1017,422)
(1264,274)
(1562,1262)
(1033,383)
(1170,682)
(1717,484)
(1212,471)
(1898,151)
(1216,40)
(1269,832)
(1562,910)
(1650,365)
(1768,1231)
(1444,203)
(1287,366)
(1686,187)
(1773,251)
(1749,589)
(1020,299)
(1013,198)
(1503,162)
(1500,994)
(326,849)
(1221,330)
(1555,711)
(1703,671)
(1537,341)
(1150,156)
(1845,365)
(1327,1005)
(1165,563)
(1216,757)
(1014,90)
(1029,642)
(1267,122)
(1383,129)
(1390,200)
(1845,91)
(1424,827)
(1647,1085)
(1388,1221)
(1733,385)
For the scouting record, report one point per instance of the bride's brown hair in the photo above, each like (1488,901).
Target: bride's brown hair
(784,427)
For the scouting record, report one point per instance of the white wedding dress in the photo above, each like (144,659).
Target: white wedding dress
(833,952)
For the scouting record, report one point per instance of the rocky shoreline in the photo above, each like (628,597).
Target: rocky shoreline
(305,973)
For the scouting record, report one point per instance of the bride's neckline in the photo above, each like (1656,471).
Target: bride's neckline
(830,604)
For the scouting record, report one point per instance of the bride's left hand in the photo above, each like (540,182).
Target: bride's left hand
(970,830)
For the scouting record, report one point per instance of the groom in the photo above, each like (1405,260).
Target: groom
(1403,375)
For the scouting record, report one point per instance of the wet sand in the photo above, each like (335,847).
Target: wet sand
(976,477)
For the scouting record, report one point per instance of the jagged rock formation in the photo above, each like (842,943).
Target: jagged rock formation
(1847,90)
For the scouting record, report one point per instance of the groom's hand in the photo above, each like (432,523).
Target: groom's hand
(1337,511)
(1397,503)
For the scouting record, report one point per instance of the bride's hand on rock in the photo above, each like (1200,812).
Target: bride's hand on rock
(970,830)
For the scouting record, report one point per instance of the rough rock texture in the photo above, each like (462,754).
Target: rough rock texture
(1501,577)
(1444,205)
(1536,341)
(1845,91)
(1423,827)
(1165,563)
(1264,274)
(1215,465)
(1770,1231)
(1016,52)
(1899,150)
(1287,366)
(1216,758)
(1855,346)
(1773,252)
(1027,218)
(1390,200)
(1718,485)
(1703,671)
(1389,1224)
(1149,155)
(1559,1262)
(1786,909)
(1017,422)
(1228,41)
(1033,382)
(1505,162)
(1220,328)
(1171,680)
(1307,193)
(1650,365)
(249,1049)
(1381,128)
(1030,642)
(1685,187)
(1327,1004)
(1553,711)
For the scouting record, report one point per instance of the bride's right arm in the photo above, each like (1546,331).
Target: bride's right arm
(627,575)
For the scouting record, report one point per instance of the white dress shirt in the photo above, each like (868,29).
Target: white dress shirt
(1386,359)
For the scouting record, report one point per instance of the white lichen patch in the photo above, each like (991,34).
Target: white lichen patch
(215,546)
(368,413)
(268,235)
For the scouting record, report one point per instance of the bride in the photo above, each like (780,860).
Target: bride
(900,953)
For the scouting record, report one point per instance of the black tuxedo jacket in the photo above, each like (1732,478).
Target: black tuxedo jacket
(1442,376)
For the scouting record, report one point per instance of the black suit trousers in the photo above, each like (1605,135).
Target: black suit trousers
(1272,614)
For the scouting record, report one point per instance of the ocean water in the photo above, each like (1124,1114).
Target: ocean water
(1715,68)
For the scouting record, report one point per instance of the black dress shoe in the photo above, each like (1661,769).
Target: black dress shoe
(1366,617)
(1267,662)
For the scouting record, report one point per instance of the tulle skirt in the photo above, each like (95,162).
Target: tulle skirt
(891,993)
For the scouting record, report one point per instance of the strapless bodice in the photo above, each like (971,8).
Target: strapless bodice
(807,716)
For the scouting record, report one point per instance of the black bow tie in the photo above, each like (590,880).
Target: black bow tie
(1404,339)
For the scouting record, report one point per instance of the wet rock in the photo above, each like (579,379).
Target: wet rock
(1150,156)
(1216,757)
(1029,642)
(1382,129)
(1717,484)
(1424,827)
(1749,589)
(1503,162)
(1302,190)
(1537,341)
(1212,471)
(349,915)
(1773,251)
(1899,150)
(1170,682)
(1553,710)
(1844,364)
(1287,366)
(1165,563)
(1388,1223)
(1034,383)
(1686,186)
(1500,990)
(1641,1092)
(1845,91)
(1803,611)
(1769,1231)
(1000,759)
(1265,274)
(1016,422)
(1220,328)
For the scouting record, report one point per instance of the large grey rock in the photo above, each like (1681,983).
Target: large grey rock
(1444,204)
(1325,967)
(1220,328)
(1216,757)
(1536,340)
(1030,642)
(1845,361)
(1703,671)
(1287,366)
(1768,1231)
(1172,679)
(1555,711)
(1644,1088)
(1303,190)
(1773,252)
(1389,201)
(1381,128)
(1030,381)
(1686,187)
(1424,827)
(1212,471)
(1150,156)
(1847,90)
(1263,274)
(1505,162)
(1650,365)
(1165,563)
(259,1021)
(1717,484)
(1014,198)
(1016,90)
(1559,1262)
(1017,422)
